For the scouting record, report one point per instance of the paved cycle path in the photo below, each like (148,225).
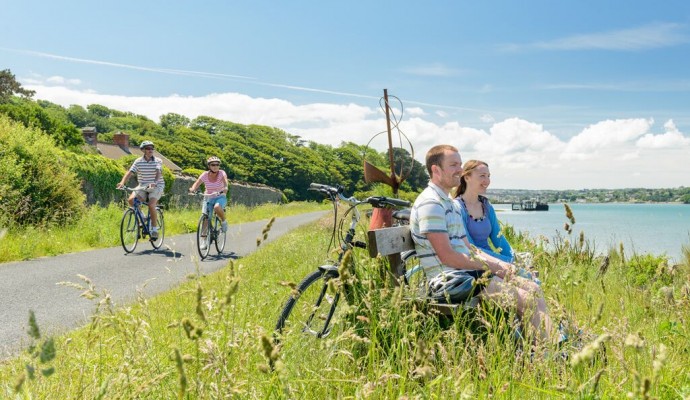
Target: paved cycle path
(32,285)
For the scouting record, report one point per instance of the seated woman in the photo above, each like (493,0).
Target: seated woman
(478,213)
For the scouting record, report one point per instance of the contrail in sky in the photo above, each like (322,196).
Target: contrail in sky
(248,79)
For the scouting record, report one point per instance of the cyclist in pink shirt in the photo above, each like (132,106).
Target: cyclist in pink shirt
(215,182)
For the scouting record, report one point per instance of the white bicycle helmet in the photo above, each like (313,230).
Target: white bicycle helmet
(451,287)
(212,159)
(146,143)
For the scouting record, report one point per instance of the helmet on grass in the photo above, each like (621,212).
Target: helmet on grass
(212,159)
(146,143)
(451,287)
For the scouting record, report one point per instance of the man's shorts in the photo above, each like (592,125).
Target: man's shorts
(149,193)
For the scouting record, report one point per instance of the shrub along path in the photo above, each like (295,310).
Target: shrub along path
(32,285)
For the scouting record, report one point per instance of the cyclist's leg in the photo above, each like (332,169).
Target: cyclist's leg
(130,200)
(153,197)
(152,212)
(219,208)
(205,210)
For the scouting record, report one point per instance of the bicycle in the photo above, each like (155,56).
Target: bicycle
(312,293)
(135,225)
(206,236)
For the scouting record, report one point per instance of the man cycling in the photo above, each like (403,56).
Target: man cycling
(149,171)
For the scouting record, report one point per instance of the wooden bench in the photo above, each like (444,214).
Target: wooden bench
(393,241)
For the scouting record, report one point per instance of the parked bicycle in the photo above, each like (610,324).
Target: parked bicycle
(311,308)
(135,225)
(209,230)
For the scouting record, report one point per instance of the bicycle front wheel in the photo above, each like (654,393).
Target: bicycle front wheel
(311,308)
(129,231)
(161,230)
(203,236)
(220,235)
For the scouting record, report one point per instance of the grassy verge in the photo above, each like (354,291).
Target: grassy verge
(100,227)
(211,337)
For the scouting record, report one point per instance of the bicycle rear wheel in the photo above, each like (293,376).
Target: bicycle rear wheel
(203,236)
(129,231)
(220,235)
(311,308)
(161,230)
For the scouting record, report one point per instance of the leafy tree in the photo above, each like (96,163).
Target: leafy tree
(171,120)
(10,87)
(78,116)
(416,174)
(52,121)
(99,110)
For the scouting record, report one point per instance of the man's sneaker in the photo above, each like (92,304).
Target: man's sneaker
(224,226)
(154,234)
(202,245)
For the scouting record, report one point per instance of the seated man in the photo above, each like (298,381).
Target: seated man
(446,256)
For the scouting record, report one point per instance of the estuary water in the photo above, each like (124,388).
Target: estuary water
(659,229)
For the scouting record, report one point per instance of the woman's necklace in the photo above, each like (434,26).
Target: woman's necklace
(481,203)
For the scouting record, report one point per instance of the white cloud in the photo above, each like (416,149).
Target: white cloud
(515,135)
(488,118)
(59,80)
(671,139)
(603,135)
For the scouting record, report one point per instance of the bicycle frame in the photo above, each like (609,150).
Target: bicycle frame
(143,221)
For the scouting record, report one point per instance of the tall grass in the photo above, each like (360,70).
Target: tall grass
(100,227)
(211,338)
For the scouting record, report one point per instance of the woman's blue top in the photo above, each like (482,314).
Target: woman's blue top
(480,231)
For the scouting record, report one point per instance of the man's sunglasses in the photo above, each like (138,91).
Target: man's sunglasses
(214,165)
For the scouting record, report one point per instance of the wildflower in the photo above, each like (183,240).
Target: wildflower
(603,267)
(569,213)
(660,358)
(635,341)
(589,351)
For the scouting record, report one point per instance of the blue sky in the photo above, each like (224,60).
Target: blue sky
(552,94)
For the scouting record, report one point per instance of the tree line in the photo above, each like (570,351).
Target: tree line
(250,153)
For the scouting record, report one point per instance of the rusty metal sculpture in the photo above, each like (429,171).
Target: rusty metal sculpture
(373,174)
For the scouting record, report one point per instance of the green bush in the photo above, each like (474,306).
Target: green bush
(36,184)
(99,176)
(648,270)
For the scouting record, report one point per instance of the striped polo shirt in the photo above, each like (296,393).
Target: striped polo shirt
(146,171)
(434,211)
(213,186)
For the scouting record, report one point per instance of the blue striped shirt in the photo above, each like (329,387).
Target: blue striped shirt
(434,211)
(146,171)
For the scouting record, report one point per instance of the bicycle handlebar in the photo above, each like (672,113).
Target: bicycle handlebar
(325,189)
(200,193)
(375,201)
(381,201)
